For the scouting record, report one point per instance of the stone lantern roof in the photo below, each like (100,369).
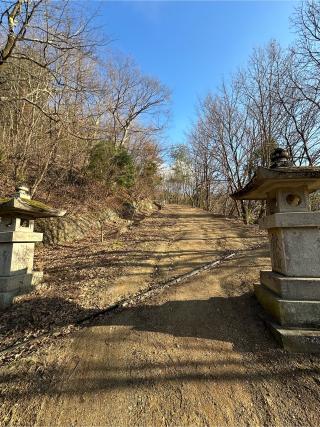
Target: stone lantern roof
(266,181)
(21,204)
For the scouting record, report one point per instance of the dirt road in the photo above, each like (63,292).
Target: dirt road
(195,354)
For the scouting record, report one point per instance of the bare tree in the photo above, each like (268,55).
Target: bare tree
(258,84)
(15,19)
(274,100)
(28,26)
(130,96)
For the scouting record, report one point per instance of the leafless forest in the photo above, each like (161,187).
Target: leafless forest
(70,115)
(74,115)
(273,101)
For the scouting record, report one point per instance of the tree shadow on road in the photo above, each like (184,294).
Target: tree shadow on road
(221,320)
(233,319)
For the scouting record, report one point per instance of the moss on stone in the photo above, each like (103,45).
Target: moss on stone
(30,202)
(36,204)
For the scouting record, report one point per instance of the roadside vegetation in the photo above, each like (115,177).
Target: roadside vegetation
(80,123)
(273,101)
(77,122)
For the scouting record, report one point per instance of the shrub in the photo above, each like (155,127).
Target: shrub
(112,165)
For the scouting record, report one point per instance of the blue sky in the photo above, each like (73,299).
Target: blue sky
(192,45)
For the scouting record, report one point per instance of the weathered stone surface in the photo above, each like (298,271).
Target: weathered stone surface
(20,236)
(296,340)
(16,258)
(299,288)
(290,293)
(289,312)
(6,299)
(295,251)
(16,224)
(267,181)
(294,198)
(37,278)
(74,227)
(22,206)
(291,220)
(12,283)
(21,283)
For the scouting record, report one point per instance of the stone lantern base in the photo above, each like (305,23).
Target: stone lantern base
(294,313)
(13,286)
(290,293)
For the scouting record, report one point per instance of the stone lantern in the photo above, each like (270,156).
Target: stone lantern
(17,241)
(290,293)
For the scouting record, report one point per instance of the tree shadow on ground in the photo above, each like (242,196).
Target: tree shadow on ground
(233,319)
(38,315)
(212,325)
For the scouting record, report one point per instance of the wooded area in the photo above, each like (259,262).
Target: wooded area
(273,101)
(72,116)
